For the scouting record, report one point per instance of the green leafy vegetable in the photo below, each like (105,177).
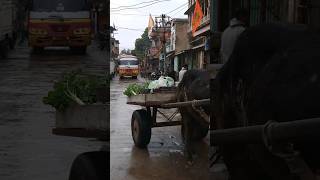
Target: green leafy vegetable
(134,89)
(75,87)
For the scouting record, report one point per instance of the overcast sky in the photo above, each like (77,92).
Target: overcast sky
(137,19)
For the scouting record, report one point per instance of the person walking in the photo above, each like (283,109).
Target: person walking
(232,32)
(182,71)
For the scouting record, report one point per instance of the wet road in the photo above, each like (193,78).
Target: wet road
(164,157)
(28,150)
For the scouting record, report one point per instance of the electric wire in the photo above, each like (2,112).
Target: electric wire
(177,8)
(180,8)
(132,29)
(138,7)
(178,12)
(145,2)
(129,14)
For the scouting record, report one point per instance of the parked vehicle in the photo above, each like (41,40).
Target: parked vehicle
(60,23)
(7,30)
(128,67)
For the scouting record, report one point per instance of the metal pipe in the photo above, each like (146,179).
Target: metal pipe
(201,102)
(293,131)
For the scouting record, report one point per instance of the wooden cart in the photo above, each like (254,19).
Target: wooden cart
(143,120)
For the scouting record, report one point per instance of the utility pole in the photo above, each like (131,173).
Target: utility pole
(163,26)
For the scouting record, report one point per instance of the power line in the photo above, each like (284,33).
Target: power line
(177,12)
(140,6)
(177,8)
(125,14)
(132,29)
(119,7)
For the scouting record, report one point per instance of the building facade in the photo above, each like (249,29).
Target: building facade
(178,47)
(159,35)
(199,51)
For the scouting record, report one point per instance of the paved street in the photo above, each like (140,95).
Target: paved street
(164,157)
(28,150)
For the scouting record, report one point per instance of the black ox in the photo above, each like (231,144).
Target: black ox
(273,74)
(195,85)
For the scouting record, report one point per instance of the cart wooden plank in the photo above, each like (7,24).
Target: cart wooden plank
(154,99)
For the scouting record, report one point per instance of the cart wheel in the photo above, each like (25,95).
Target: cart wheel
(199,132)
(89,166)
(141,128)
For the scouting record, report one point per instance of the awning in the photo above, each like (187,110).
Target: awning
(199,46)
(181,52)
(171,53)
(202,30)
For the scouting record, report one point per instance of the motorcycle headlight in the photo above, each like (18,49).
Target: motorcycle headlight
(38,31)
(81,31)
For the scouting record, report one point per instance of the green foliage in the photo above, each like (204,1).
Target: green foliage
(125,51)
(83,86)
(134,89)
(142,44)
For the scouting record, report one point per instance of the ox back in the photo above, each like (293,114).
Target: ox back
(273,74)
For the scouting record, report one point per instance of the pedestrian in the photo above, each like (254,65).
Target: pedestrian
(231,33)
(182,71)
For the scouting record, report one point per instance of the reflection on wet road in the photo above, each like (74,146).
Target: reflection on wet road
(164,157)
(28,150)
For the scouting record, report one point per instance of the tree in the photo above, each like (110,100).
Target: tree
(123,51)
(142,44)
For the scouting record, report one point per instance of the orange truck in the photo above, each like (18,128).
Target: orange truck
(128,66)
(60,23)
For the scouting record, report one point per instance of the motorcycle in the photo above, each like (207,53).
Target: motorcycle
(155,75)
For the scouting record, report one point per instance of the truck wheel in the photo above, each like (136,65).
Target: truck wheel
(37,50)
(90,166)
(79,50)
(141,128)
(134,77)
(198,131)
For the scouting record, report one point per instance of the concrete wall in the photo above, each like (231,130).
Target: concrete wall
(182,40)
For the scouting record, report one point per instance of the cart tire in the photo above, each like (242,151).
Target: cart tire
(141,128)
(90,166)
(199,132)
